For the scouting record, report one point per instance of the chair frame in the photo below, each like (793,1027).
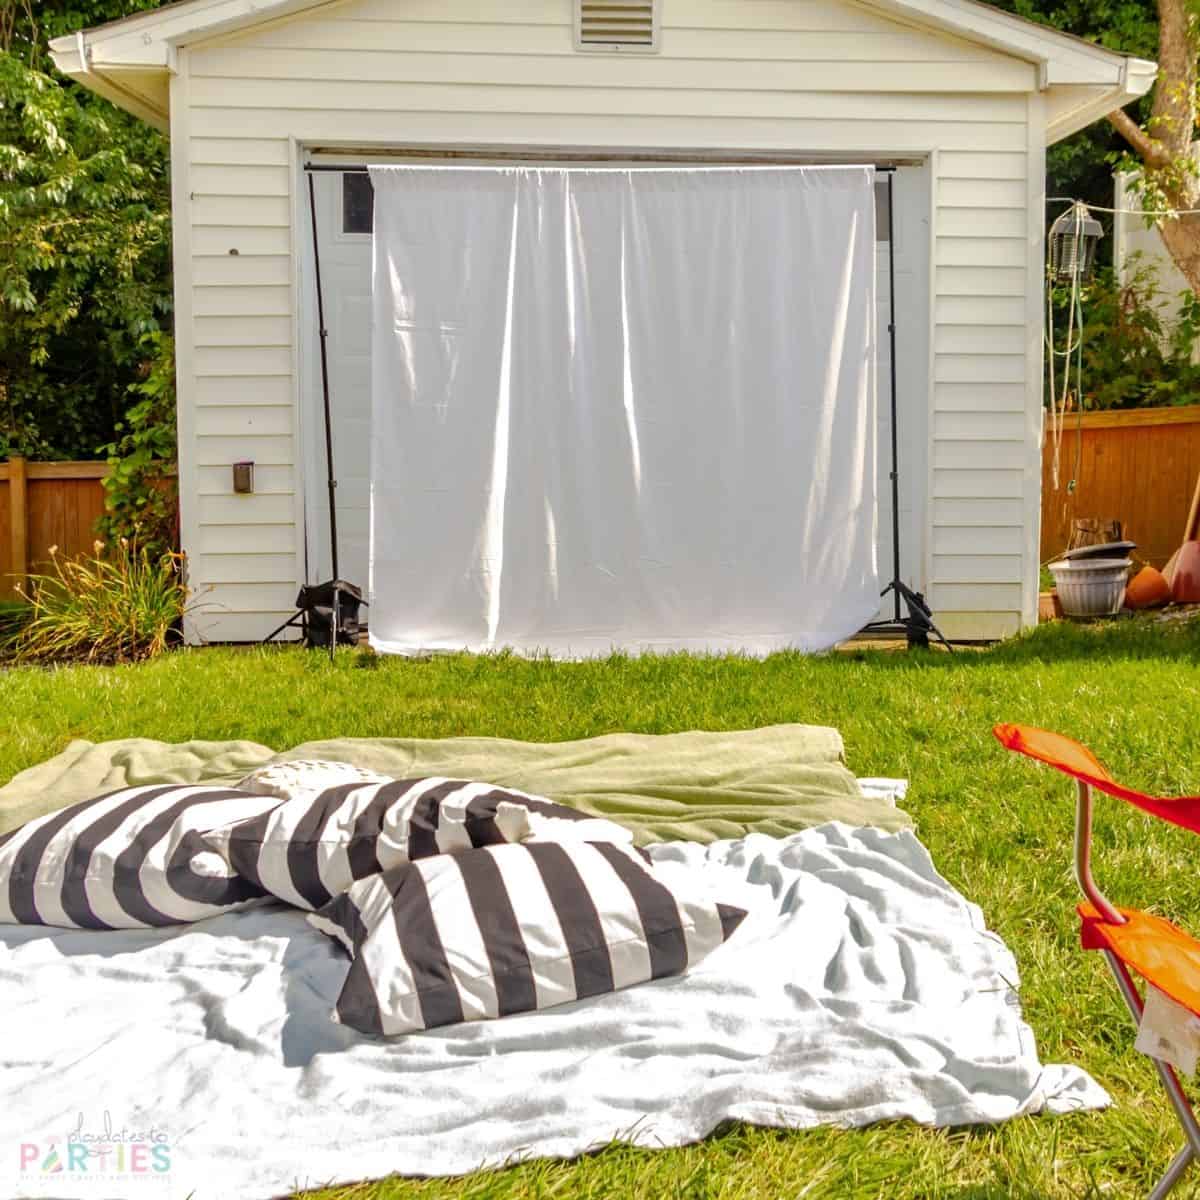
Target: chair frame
(1190,1151)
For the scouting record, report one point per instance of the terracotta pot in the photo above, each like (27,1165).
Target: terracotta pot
(1049,607)
(1185,588)
(1147,589)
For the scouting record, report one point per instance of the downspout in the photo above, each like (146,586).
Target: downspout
(84,52)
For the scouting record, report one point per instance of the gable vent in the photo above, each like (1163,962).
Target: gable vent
(616,25)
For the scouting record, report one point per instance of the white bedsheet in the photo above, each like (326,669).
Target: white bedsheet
(861,988)
(622,409)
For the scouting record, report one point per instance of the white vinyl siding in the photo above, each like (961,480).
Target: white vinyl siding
(805,77)
(984,549)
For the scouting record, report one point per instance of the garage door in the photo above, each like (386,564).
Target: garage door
(344,229)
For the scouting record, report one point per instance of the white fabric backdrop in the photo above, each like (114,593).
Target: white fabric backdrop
(628,409)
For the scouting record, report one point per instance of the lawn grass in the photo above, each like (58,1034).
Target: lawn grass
(999,828)
(13,615)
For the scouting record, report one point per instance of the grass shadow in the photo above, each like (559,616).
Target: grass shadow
(1134,637)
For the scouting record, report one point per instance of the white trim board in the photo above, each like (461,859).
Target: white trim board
(1084,80)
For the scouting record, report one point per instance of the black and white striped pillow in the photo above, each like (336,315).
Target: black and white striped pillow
(303,779)
(296,778)
(509,929)
(311,848)
(544,820)
(129,859)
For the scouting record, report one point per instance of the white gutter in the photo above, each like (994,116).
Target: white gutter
(1060,58)
(73,56)
(1070,109)
(1138,75)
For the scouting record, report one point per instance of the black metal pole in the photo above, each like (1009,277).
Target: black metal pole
(917,624)
(324,335)
(892,378)
(361,169)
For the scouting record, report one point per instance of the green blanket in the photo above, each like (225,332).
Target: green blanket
(691,786)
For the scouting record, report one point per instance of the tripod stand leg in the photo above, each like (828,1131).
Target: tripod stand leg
(918,625)
(337,624)
(291,621)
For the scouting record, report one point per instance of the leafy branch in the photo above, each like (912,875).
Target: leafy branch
(84,242)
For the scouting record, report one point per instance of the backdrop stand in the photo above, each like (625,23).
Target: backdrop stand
(916,623)
(911,615)
(326,613)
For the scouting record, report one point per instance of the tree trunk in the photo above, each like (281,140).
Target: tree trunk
(1165,144)
(1092,531)
(1182,240)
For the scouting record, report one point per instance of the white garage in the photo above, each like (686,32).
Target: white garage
(959,99)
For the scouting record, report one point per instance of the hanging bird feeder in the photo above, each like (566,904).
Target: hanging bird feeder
(1074,237)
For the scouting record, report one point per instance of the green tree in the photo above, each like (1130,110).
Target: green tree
(1081,167)
(1163,144)
(84,243)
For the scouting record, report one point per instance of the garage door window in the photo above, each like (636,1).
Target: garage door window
(883,202)
(358,203)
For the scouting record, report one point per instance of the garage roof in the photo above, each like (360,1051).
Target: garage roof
(131,61)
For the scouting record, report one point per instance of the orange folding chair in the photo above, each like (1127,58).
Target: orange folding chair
(1161,953)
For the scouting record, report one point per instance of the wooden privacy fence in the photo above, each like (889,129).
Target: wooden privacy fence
(1138,467)
(44,504)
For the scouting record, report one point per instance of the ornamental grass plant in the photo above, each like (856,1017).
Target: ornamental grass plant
(119,604)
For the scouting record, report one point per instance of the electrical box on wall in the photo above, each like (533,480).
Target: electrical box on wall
(243,477)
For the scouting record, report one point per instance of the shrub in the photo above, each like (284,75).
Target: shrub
(84,240)
(12,616)
(1136,354)
(119,604)
(140,503)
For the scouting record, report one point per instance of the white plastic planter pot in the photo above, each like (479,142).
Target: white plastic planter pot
(1091,587)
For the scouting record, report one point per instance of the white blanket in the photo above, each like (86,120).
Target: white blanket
(861,988)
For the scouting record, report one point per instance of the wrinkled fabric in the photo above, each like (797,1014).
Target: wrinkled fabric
(84,769)
(861,987)
(697,786)
(622,409)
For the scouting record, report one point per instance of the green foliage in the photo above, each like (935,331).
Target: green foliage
(141,503)
(1136,352)
(12,617)
(84,242)
(1081,166)
(54,18)
(1127,26)
(120,604)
